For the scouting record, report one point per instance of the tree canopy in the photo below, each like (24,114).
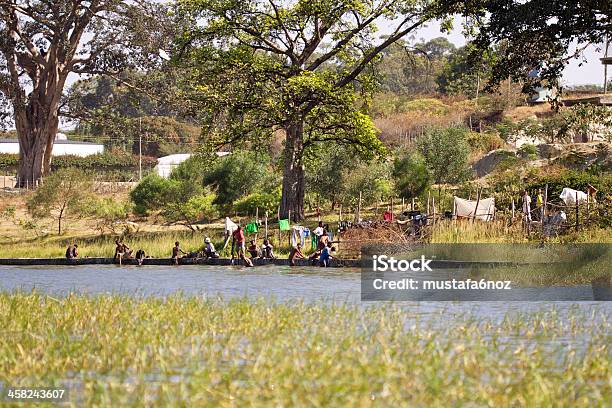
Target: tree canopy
(42,42)
(539,34)
(298,66)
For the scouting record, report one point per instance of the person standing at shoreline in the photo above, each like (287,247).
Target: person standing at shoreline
(176,253)
(238,243)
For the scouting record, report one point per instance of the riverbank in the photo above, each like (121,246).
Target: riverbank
(181,351)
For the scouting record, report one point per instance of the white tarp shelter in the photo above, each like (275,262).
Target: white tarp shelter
(61,147)
(466,208)
(569,196)
(166,164)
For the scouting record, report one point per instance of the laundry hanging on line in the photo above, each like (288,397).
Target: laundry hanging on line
(283,225)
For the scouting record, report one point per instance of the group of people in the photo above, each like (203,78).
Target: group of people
(239,249)
(322,255)
(122,251)
(526,204)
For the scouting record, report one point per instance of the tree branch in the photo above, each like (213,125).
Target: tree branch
(377,50)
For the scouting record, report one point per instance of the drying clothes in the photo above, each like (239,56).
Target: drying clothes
(230,226)
(297,235)
(284,225)
(251,228)
(388,216)
(314,241)
(569,196)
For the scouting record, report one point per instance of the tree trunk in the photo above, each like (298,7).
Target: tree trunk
(292,199)
(37,124)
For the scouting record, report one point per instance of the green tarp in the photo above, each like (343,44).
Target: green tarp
(251,228)
(284,225)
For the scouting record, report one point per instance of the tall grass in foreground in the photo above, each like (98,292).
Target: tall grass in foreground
(122,351)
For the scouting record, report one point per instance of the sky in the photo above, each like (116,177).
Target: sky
(591,72)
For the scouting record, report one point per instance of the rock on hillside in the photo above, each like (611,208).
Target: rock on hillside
(487,163)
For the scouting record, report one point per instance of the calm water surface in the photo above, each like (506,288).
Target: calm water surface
(283,284)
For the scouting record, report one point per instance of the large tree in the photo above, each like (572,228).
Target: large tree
(538,35)
(292,66)
(43,42)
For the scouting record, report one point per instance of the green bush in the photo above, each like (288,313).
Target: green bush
(104,162)
(446,153)
(411,175)
(373,180)
(577,180)
(109,213)
(67,193)
(237,175)
(528,151)
(198,208)
(264,201)
(149,194)
(484,142)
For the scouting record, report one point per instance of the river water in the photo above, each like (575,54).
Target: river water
(282,284)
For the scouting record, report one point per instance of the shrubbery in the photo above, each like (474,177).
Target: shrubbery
(484,142)
(264,201)
(446,153)
(411,175)
(104,162)
(178,201)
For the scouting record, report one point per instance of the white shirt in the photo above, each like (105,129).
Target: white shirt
(526,204)
(318,231)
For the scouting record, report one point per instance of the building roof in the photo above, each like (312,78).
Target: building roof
(57,142)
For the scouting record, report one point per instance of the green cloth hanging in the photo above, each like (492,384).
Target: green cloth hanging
(251,228)
(284,225)
(314,241)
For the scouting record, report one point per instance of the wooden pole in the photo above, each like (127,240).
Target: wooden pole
(279,231)
(412,205)
(428,198)
(256,221)
(544,205)
(545,201)
(477,202)
(513,209)
(289,230)
(433,207)
(266,225)
(577,220)
(587,207)
(359,208)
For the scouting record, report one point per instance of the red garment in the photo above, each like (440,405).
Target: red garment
(238,235)
(388,216)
